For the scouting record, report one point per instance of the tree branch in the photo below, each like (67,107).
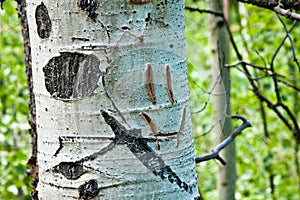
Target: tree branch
(270,4)
(215,152)
(282,7)
(289,120)
(288,35)
(192,9)
(287,13)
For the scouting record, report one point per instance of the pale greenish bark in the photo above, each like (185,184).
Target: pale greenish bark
(221,102)
(95,57)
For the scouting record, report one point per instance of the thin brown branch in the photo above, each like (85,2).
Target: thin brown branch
(204,11)
(247,63)
(256,78)
(294,87)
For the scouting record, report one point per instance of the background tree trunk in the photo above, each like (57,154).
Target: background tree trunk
(126,58)
(221,100)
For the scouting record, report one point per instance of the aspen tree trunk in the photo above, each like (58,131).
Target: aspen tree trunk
(221,101)
(112,100)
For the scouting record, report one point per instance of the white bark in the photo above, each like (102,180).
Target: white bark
(76,48)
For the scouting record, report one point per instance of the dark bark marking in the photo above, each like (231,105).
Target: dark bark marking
(73,170)
(60,146)
(64,139)
(152,22)
(181,129)
(169,84)
(80,39)
(111,100)
(157,134)
(167,173)
(139,147)
(72,75)
(70,170)
(88,190)
(140,1)
(149,83)
(43,21)
(148,18)
(120,70)
(150,122)
(125,27)
(98,153)
(89,6)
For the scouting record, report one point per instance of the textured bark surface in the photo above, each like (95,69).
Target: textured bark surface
(32,115)
(112,100)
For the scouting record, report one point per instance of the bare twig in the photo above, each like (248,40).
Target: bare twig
(215,152)
(294,87)
(261,57)
(204,11)
(247,63)
(278,107)
(267,74)
(283,40)
(293,127)
(213,125)
(210,92)
(267,141)
(288,35)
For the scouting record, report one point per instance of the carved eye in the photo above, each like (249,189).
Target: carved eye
(72,75)
(70,170)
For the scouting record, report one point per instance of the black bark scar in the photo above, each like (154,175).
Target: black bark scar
(138,146)
(72,75)
(71,170)
(88,190)
(89,6)
(43,21)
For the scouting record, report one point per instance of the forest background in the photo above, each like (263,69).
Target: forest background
(267,154)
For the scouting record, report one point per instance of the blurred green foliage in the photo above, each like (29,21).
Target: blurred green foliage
(261,158)
(14,137)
